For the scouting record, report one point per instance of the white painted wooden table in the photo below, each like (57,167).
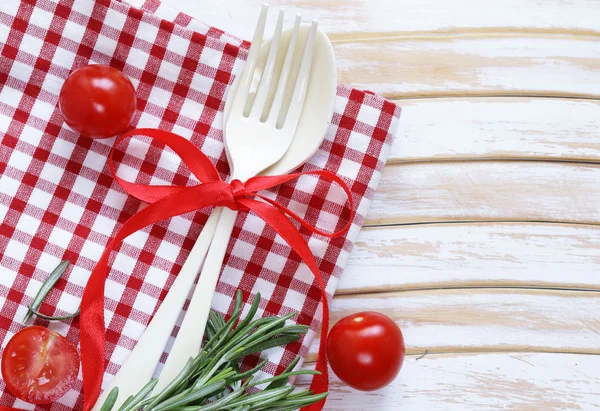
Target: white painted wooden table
(483,242)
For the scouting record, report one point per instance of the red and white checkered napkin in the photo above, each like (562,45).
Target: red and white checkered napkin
(58,200)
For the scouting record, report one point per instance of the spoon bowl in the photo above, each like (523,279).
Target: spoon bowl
(319,104)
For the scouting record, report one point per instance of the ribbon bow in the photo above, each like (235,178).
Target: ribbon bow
(169,201)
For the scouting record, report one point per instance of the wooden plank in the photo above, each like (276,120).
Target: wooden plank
(498,128)
(473,255)
(485,320)
(481,382)
(367,16)
(487,191)
(472,65)
(460,54)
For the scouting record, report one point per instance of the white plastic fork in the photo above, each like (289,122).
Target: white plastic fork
(140,365)
(252,146)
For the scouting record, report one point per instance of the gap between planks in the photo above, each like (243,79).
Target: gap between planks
(490,221)
(399,97)
(311,358)
(457,285)
(451,33)
(415,355)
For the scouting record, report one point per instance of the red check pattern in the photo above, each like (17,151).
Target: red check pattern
(58,201)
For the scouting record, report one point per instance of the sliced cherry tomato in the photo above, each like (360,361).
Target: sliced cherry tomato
(97,101)
(39,366)
(366,350)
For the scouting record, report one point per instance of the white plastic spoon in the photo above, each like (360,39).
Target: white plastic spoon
(311,129)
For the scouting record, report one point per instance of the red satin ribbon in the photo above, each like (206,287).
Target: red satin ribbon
(169,201)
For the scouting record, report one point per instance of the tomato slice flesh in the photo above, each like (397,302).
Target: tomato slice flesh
(39,366)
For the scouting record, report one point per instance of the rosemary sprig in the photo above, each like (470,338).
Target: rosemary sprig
(43,292)
(212,380)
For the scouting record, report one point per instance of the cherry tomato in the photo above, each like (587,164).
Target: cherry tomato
(97,101)
(39,366)
(366,350)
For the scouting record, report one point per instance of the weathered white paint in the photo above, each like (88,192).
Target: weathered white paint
(473,255)
(487,190)
(381,16)
(481,382)
(488,320)
(498,128)
(451,65)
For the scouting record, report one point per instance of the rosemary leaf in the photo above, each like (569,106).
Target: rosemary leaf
(282,382)
(52,318)
(110,400)
(248,373)
(237,311)
(251,313)
(264,397)
(192,396)
(222,402)
(126,403)
(140,396)
(46,287)
(187,370)
(277,323)
(296,403)
(274,342)
(285,376)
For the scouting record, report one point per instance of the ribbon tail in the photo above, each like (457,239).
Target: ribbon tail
(93,344)
(279,222)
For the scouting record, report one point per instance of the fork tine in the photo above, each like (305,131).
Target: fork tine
(246,77)
(290,119)
(267,75)
(285,73)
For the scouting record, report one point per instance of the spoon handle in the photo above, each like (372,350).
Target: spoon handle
(191,333)
(139,366)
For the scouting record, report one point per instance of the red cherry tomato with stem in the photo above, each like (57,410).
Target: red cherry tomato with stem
(366,350)
(39,366)
(97,101)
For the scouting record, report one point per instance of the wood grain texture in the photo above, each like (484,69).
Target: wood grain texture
(481,382)
(384,16)
(473,255)
(459,47)
(450,65)
(485,320)
(495,271)
(487,191)
(498,128)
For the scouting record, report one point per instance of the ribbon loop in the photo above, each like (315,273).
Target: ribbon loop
(168,201)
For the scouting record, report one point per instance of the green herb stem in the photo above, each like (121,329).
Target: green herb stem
(212,381)
(45,289)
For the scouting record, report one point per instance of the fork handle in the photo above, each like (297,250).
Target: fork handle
(139,366)
(189,339)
